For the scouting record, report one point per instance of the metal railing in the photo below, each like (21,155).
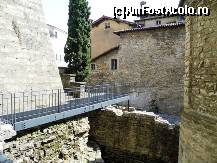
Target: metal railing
(21,106)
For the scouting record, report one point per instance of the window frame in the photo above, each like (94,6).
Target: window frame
(107,25)
(93,65)
(55,35)
(158,22)
(114,64)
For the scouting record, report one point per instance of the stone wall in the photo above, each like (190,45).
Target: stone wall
(150,22)
(198,134)
(103,71)
(27,60)
(6,132)
(134,137)
(154,58)
(62,141)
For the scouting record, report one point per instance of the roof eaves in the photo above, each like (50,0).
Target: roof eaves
(57,28)
(106,52)
(98,21)
(155,17)
(150,28)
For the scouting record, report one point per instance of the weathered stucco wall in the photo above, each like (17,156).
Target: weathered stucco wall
(134,137)
(198,134)
(154,58)
(26,57)
(63,141)
(103,39)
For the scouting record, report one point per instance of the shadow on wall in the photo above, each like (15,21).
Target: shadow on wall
(157,101)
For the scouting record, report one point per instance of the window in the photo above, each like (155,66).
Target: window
(158,22)
(93,66)
(107,25)
(114,64)
(55,34)
(51,33)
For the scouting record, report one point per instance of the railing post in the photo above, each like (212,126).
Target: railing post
(88,93)
(60,97)
(14,109)
(2,104)
(113,89)
(23,94)
(128,105)
(52,98)
(31,99)
(58,100)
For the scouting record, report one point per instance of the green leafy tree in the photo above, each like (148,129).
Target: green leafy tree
(77,48)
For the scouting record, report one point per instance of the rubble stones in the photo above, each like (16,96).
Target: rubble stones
(62,142)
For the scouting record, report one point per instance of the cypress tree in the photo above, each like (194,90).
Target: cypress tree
(77,48)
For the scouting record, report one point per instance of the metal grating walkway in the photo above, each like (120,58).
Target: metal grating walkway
(28,110)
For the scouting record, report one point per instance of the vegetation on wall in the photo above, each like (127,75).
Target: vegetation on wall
(77,48)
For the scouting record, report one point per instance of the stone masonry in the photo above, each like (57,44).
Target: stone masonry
(198,132)
(26,56)
(65,141)
(134,137)
(155,59)
(6,132)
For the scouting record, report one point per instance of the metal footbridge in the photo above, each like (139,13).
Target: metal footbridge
(25,110)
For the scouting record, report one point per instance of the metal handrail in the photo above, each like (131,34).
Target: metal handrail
(16,107)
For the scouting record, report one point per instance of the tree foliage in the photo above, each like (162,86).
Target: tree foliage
(77,48)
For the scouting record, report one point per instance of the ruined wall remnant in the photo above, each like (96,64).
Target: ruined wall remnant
(134,137)
(198,132)
(63,141)
(26,57)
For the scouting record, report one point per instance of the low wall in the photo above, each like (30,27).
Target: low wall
(134,137)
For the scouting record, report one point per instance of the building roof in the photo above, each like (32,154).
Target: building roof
(105,53)
(150,17)
(173,25)
(57,28)
(103,18)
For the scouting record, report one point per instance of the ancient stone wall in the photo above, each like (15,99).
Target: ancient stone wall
(27,60)
(134,137)
(62,141)
(154,58)
(198,134)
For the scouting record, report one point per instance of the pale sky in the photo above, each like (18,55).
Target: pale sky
(56,11)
